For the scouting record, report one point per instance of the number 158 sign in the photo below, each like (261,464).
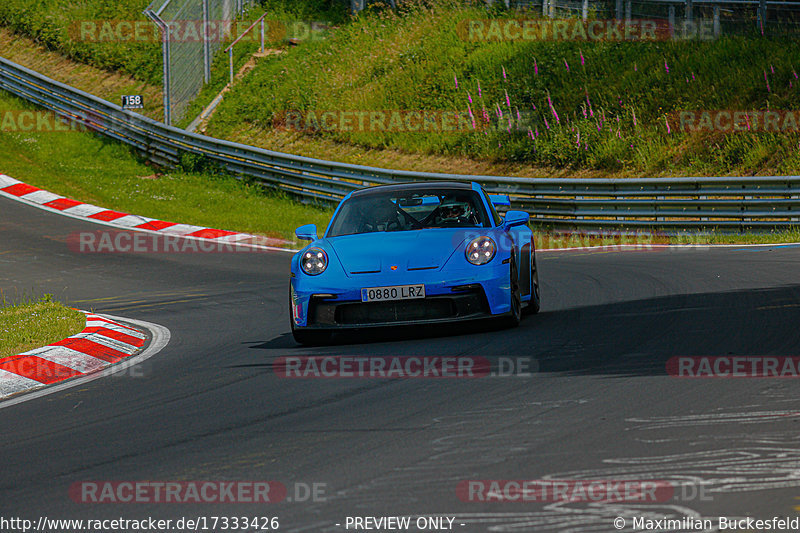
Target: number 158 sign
(133,101)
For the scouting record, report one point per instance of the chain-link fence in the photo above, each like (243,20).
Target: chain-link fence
(721,16)
(192,31)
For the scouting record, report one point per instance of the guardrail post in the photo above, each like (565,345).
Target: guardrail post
(717,29)
(659,199)
(619,10)
(671,21)
(585,10)
(702,197)
(206,45)
(262,34)
(165,51)
(230,63)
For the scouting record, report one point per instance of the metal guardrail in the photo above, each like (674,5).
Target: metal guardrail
(733,203)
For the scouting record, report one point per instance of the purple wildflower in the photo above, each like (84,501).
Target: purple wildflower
(553,109)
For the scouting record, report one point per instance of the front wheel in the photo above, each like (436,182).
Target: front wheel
(515,314)
(535,303)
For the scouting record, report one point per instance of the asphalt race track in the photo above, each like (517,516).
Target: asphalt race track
(600,405)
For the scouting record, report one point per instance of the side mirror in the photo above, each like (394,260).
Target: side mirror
(307,232)
(515,218)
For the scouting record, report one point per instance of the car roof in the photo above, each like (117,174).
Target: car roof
(417,185)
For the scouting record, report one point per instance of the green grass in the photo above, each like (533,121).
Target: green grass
(409,61)
(548,239)
(295,17)
(96,170)
(55,24)
(774,237)
(49,22)
(33,324)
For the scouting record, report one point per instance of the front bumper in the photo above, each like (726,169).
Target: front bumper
(460,298)
(330,314)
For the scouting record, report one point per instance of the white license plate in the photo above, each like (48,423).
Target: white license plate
(397,292)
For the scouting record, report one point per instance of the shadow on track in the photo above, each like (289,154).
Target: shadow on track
(618,339)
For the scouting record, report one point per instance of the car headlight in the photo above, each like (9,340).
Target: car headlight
(314,261)
(481,250)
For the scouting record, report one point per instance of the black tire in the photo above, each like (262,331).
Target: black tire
(535,303)
(514,316)
(310,338)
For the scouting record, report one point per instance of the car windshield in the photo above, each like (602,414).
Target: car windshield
(410,210)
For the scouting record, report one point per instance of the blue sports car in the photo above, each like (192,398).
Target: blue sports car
(413,253)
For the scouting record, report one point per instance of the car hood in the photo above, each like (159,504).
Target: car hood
(427,249)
